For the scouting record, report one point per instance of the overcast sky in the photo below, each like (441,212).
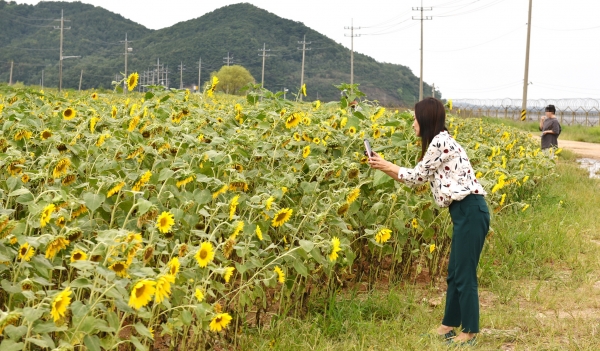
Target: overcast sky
(473,48)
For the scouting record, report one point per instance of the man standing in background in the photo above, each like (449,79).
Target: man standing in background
(550,128)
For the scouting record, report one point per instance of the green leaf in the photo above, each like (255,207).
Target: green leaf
(18,192)
(186,317)
(138,345)
(165,173)
(381,179)
(92,342)
(93,201)
(143,206)
(10,345)
(203,197)
(39,342)
(143,330)
(300,268)
(307,245)
(32,314)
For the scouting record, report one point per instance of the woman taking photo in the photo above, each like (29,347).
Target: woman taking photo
(445,165)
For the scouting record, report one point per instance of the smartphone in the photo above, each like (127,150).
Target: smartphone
(368,151)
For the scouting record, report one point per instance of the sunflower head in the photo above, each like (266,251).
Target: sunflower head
(205,254)
(132,81)
(142,293)
(281,217)
(69,114)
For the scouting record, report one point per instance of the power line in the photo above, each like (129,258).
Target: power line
(228,59)
(489,41)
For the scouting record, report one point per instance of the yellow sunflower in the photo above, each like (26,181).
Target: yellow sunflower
(94,96)
(269,202)
(174,266)
(220,322)
(61,168)
(281,217)
(199,295)
(25,178)
(115,189)
(383,235)
(60,303)
(45,134)
(56,246)
(259,233)
(69,114)
(205,254)
(164,222)
(303,89)
(26,252)
(306,151)
(228,273)
(113,112)
(163,287)
(47,215)
(353,195)
(132,81)
(141,293)
(297,136)
(78,255)
(280,275)
(293,120)
(335,248)
(120,268)
(233,206)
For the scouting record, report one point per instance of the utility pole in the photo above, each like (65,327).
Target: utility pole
(352,36)
(433,90)
(228,59)
(181,69)
(80,79)
(199,73)
(60,62)
(304,43)
(42,79)
(11,70)
(526,78)
(127,51)
(264,56)
(422,18)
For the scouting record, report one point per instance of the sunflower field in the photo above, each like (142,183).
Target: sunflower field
(177,220)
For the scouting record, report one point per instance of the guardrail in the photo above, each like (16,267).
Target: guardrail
(584,112)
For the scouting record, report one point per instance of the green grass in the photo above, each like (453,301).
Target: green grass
(539,283)
(575,132)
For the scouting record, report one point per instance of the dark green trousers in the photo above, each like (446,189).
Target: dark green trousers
(471,219)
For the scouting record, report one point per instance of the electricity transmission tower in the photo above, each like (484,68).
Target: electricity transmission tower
(352,36)
(264,56)
(304,49)
(422,18)
(228,59)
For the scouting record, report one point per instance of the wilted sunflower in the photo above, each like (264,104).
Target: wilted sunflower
(142,293)
(164,222)
(132,81)
(10,318)
(383,235)
(47,215)
(343,209)
(335,248)
(306,151)
(353,173)
(61,168)
(293,120)
(228,273)
(78,255)
(238,186)
(69,114)
(45,134)
(353,195)
(205,254)
(280,275)
(55,246)
(60,303)
(281,217)
(220,322)
(68,180)
(26,252)
(22,134)
(61,221)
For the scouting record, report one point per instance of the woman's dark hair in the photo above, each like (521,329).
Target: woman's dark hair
(431,116)
(551,108)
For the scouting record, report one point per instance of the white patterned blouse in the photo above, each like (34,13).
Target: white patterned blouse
(448,170)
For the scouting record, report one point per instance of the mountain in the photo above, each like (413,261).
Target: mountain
(240,30)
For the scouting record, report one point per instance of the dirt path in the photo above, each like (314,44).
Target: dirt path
(591,150)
